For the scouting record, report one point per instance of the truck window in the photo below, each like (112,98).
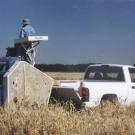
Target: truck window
(104,73)
(132,74)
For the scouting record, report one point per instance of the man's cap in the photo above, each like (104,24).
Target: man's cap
(26,21)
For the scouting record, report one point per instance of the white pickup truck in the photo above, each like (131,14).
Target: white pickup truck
(102,82)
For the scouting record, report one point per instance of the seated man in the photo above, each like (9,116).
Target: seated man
(97,76)
(27,29)
(26,51)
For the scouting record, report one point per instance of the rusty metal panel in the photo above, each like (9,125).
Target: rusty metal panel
(25,81)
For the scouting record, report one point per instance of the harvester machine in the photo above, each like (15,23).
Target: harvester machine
(20,80)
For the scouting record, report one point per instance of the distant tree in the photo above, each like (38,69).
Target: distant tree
(62,67)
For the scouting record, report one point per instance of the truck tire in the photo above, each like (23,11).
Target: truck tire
(109,99)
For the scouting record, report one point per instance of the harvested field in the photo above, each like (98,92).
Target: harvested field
(66,120)
(56,120)
(66,75)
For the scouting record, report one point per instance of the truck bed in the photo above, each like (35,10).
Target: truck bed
(65,94)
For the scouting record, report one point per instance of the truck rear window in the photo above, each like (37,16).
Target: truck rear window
(104,73)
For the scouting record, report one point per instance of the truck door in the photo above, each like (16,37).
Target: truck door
(131,85)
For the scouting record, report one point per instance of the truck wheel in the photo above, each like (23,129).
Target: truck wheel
(109,99)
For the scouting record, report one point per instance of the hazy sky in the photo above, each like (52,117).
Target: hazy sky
(80,31)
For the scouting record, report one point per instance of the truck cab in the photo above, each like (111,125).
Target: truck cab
(105,82)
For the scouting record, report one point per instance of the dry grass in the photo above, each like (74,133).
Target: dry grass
(56,120)
(66,75)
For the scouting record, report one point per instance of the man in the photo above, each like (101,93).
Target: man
(26,30)
(27,51)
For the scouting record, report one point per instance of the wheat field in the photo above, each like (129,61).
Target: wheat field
(58,120)
(66,75)
(66,120)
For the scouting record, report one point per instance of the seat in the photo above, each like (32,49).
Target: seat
(97,76)
(120,77)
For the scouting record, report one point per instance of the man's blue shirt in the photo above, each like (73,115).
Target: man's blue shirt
(27,31)
(29,56)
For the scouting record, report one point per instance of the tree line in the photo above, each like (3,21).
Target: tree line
(62,67)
